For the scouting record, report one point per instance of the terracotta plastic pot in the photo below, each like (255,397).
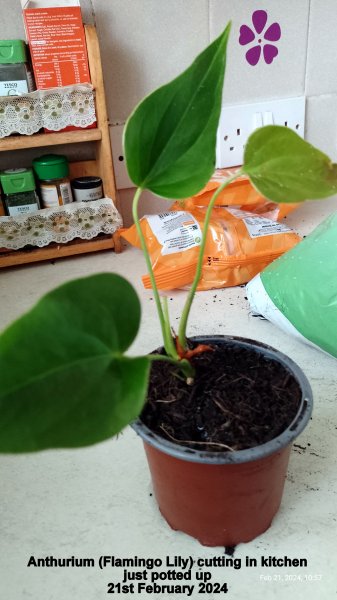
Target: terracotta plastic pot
(222,499)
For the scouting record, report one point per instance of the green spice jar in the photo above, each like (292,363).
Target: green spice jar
(16,76)
(20,197)
(52,171)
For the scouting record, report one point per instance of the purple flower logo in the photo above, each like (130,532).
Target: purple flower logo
(261,36)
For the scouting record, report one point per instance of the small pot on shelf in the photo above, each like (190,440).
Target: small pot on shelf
(225,498)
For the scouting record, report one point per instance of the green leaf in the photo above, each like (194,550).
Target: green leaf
(64,379)
(285,168)
(170,138)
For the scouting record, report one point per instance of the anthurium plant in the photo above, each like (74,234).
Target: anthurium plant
(65,377)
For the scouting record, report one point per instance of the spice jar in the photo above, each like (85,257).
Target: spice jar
(19,188)
(52,171)
(16,76)
(87,188)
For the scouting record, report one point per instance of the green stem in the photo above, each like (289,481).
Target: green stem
(165,326)
(184,365)
(172,351)
(189,299)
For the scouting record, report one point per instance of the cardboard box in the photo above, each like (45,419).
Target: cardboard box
(56,38)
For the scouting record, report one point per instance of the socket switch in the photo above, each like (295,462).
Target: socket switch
(237,122)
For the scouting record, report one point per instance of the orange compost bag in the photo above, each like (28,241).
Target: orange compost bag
(243,238)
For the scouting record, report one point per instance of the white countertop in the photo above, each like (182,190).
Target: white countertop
(98,500)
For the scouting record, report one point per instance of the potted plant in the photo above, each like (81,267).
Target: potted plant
(67,382)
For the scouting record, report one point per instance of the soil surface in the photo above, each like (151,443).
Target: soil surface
(239,399)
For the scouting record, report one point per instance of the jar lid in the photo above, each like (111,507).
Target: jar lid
(86,183)
(17,181)
(12,52)
(51,166)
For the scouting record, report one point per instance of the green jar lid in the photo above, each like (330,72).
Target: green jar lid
(12,52)
(17,181)
(51,166)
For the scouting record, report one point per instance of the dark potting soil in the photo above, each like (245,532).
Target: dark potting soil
(239,399)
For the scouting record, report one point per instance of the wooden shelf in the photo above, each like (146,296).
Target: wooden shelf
(101,165)
(39,140)
(54,251)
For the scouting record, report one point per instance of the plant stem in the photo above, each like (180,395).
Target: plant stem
(165,325)
(189,300)
(172,351)
(184,365)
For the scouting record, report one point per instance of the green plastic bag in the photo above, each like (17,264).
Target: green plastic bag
(298,291)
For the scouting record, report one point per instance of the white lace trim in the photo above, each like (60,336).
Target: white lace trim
(83,220)
(53,109)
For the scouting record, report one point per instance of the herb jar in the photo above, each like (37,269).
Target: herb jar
(87,188)
(16,76)
(19,189)
(52,171)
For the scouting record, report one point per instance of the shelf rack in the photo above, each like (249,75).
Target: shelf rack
(101,165)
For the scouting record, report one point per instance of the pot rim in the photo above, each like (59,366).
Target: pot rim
(250,454)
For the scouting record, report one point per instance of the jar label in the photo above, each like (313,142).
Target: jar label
(88,195)
(22,210)
(49,196)
(13,88)
(66,193)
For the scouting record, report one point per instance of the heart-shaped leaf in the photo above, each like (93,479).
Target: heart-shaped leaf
(285,168)
(64,379)
(170,138)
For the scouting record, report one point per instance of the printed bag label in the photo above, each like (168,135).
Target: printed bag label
(176,231)
(259,226)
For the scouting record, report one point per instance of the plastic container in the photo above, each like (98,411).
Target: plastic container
(86,189)
(20,197)
(52,171)
(223,499)
(15,73)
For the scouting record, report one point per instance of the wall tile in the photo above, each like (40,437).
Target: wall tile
(321,131)
(321,123)
(144,44)
(322,48)
(285,76)
(88,14)
(11,22)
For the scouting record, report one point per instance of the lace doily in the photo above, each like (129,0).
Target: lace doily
(83,220)
(53,109)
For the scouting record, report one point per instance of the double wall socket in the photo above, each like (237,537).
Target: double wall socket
(237,122)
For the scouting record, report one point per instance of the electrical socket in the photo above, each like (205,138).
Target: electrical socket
(237,122)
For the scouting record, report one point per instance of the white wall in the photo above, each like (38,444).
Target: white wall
(146,42)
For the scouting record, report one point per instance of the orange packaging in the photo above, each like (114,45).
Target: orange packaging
(56,38)
(239,193)
(239,245)
(240,242)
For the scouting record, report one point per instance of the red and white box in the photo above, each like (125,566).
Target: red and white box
(56,38)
